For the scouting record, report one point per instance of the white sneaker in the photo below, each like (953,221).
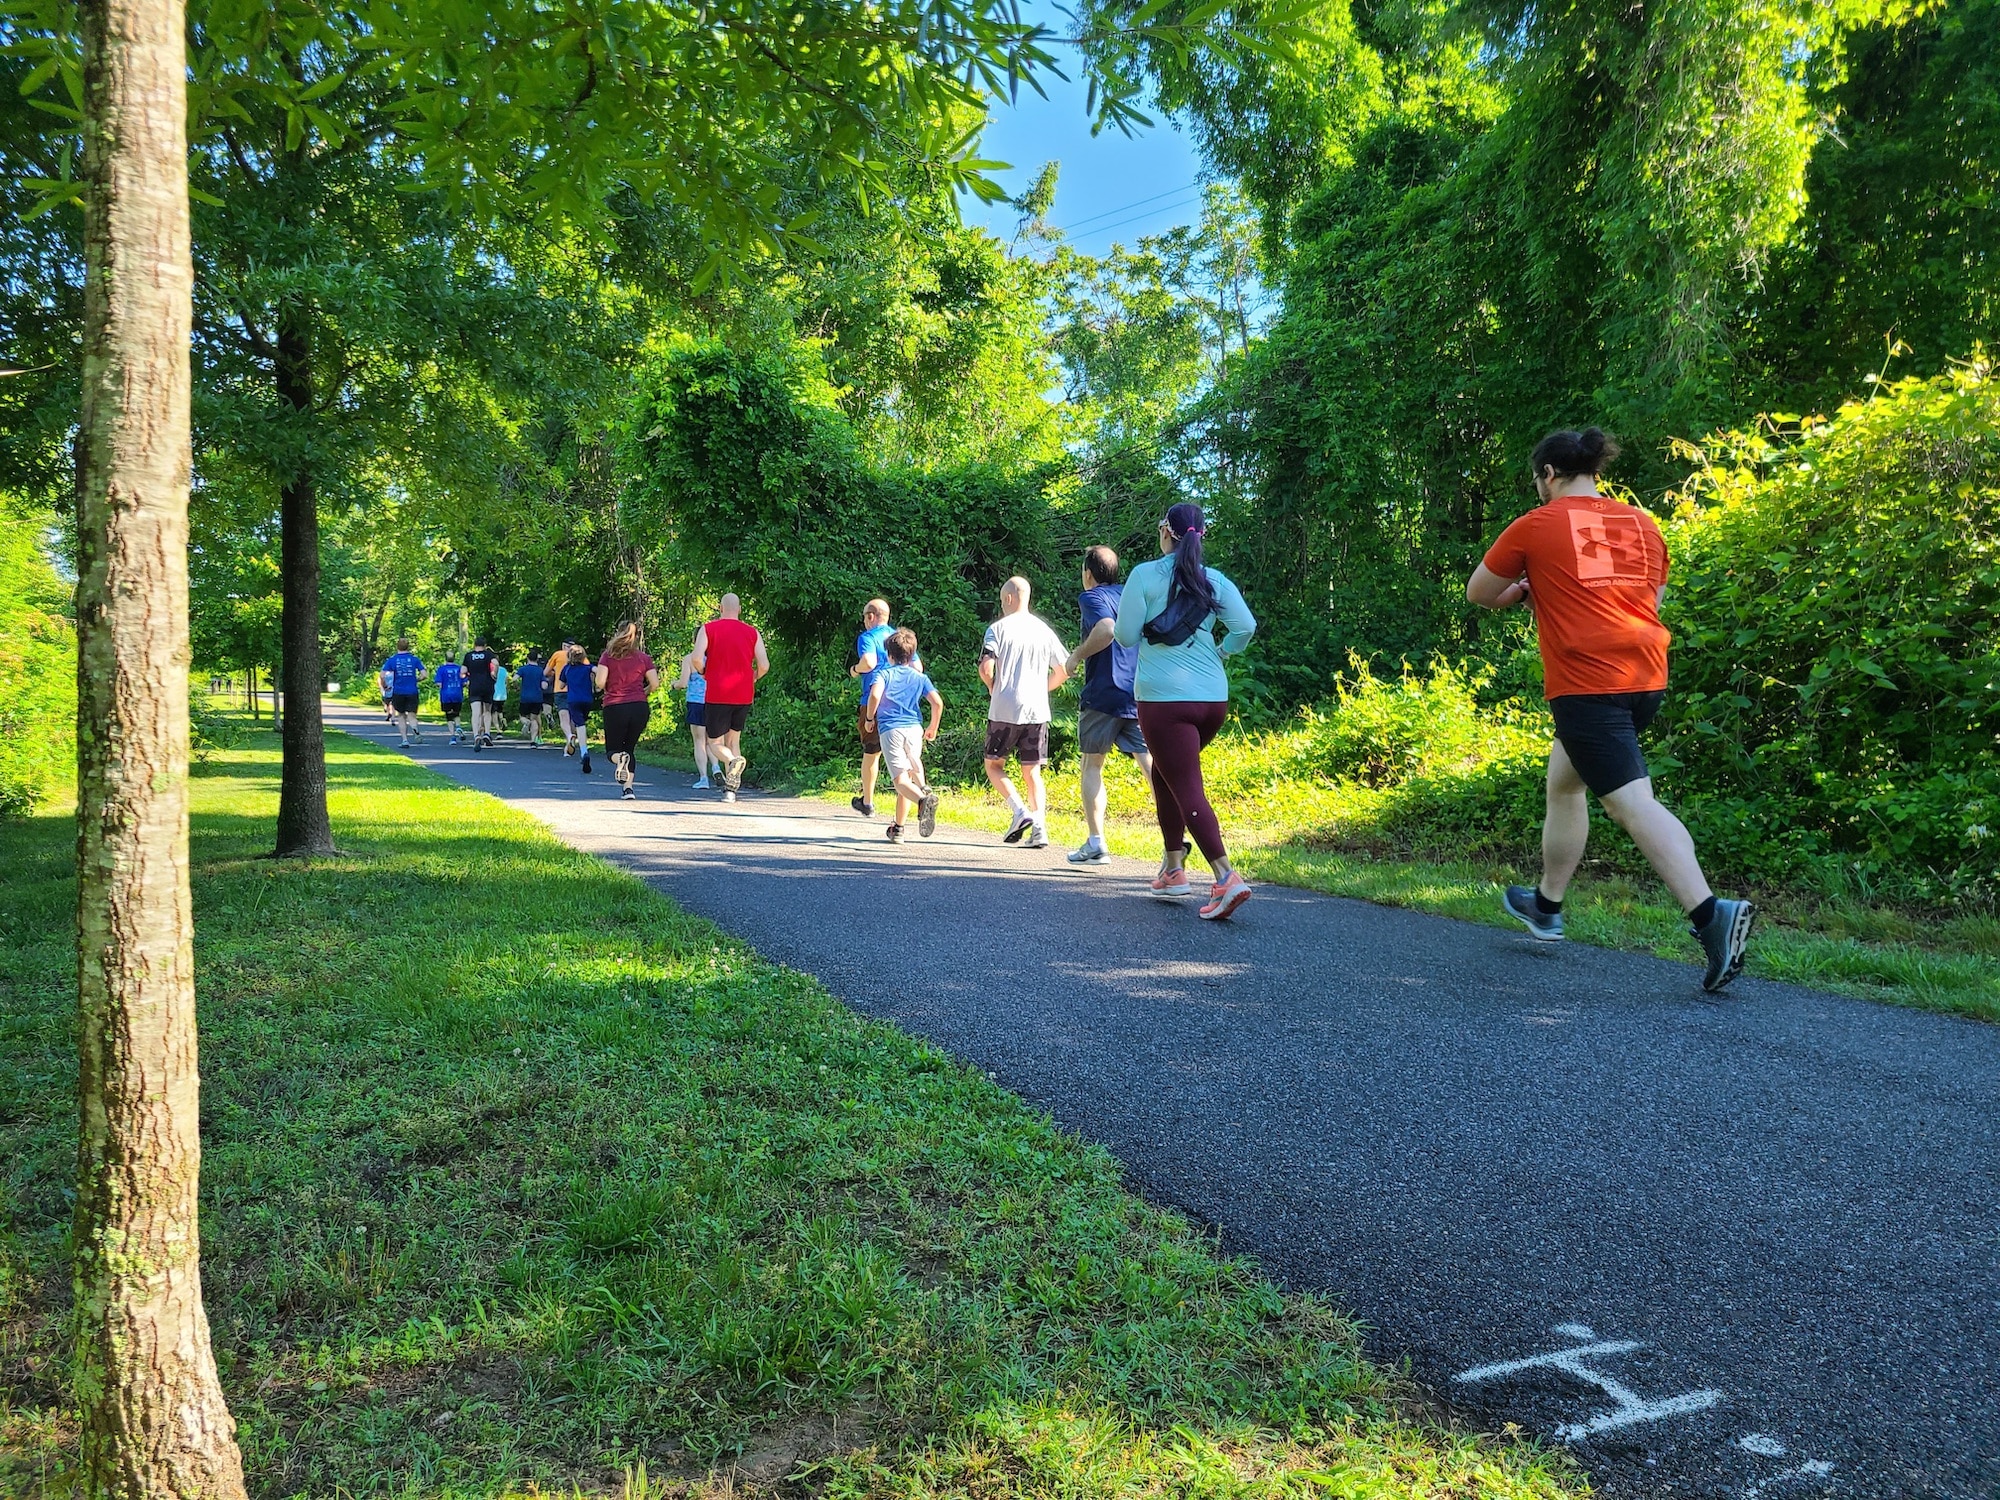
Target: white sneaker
(1092,853)
(1038,837)
(1023,821)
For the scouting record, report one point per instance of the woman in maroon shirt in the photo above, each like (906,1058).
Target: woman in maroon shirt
(625,678)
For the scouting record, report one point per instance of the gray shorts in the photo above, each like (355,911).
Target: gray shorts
(1100,734)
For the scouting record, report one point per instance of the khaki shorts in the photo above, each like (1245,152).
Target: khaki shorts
(903,749)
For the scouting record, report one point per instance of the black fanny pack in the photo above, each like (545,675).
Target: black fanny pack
(1179,621)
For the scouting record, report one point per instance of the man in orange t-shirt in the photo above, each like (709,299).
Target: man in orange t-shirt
(1596,571)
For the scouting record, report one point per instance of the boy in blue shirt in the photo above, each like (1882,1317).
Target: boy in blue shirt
(406,677)
(892,712)
(451,694)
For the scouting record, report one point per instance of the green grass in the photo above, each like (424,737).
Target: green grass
(1328,835)
(520,1180)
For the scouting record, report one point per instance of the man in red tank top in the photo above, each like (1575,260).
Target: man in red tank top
(730,657)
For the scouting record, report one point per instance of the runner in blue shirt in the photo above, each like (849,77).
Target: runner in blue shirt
(450,678)
(893,710)
(531,675)
(1107,718)
(871,660)
(579,682)
(406,678)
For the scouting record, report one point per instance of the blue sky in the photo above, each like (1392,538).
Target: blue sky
(1111,187)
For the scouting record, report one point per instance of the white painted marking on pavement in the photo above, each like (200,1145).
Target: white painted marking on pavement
(1763,1447)
(1629,1409)
(1813,1471)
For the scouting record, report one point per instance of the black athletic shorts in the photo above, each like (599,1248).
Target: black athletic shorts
(403,703)
(1027,743)
(725,718)
(1599,733)
(531,707)
(450,710)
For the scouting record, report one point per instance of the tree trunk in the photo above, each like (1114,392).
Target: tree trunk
(153,1416)
(303,825)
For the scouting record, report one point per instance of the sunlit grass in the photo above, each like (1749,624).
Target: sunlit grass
(518,1179)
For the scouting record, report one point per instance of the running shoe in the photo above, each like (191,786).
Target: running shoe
(569,748)
(586,762)
(621,767)
(1092,853)
(728,796)
(927,814)
(628,794)
(1038,837)
(1172,883)
(895,833)
(699,784)
(1023,821)
(1724,940)
(862,806)
(732,774)
(1518,901)
(477,746)
(416,739)
(1224,898)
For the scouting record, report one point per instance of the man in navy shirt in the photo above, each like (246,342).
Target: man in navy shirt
(406,680)
(530,673)
(1108,718)
(451,694)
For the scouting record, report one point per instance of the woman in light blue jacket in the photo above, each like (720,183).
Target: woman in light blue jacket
(1169,610)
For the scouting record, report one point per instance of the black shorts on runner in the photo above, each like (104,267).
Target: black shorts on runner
(403,703)
(1027,743)
(726,718)
(871,739)
(1599,732)
(450,710)
(477,697)
(695,716)
(531,708)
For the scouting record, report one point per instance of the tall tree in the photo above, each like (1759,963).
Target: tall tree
(154,1419)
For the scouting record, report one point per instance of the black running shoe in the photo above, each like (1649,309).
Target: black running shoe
(1725,940)
(629,795)
(895,833)
(1519,903)
(586,762)
(927,814)
(862,806)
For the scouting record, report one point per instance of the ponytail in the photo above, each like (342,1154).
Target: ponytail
(1186,524)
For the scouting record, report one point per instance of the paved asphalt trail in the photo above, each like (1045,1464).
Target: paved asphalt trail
(1786,1204)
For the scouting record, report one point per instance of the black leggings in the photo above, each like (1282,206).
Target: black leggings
(1177,733)
(623,724)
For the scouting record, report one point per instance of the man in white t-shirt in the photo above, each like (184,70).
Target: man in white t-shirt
(1021,662)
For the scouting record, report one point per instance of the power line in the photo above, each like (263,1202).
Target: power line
(1136,203)
(1148,214)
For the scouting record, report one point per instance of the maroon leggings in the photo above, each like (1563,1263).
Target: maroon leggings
(1177,733)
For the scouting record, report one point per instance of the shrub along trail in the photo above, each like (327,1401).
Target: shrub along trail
(1786,1200)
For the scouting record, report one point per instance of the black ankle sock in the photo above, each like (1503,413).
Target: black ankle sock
(1703,914)
(1544,905)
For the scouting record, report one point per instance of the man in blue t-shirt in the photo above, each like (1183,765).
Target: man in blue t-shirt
(893,711)
(406,679)
(451,694)
(1108,718)
(532,677)
(871,659)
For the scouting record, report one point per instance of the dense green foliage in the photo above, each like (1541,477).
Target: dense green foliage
(37,664)
(495,1209)
(1837,688)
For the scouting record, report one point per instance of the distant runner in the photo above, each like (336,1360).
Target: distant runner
(387,679)
(871,660)
(696,716)
(1169,610)
(451,695)
(1108,718)
(579,688)
(892,710)
(406,680)
(533,689)
(499,697)
(1021,663)
(730,654)
(1595,571)
(559,693)
(481,665)
(625,679)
